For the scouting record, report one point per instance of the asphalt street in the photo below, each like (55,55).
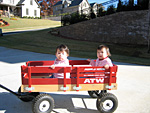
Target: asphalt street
(133,91)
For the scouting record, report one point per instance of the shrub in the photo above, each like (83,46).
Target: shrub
(51,15)
(65,20)
(6,23)
(73,18)
(2,24)
(101,12)
(24,17)
(92,14)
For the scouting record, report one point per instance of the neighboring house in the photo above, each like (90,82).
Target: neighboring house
(94,7)
(47,6)
(29,8)
(71,6)
(58,8)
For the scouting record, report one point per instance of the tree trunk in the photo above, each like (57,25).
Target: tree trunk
(131,2)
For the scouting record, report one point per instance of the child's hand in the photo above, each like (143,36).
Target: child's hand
(50,75)
(53,66)
(106,66)
(92,62)
(89,60)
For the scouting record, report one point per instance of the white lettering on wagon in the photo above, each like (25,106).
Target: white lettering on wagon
(93,69)
(94,80)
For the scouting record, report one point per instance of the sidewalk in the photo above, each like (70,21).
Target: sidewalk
(133,87)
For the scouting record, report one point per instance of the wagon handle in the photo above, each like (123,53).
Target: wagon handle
(3,87)
(19,95)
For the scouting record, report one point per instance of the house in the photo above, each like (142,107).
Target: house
(47,6)
(22,8)
(71,6)
(94,7)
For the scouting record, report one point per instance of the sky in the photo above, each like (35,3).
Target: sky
(102,1)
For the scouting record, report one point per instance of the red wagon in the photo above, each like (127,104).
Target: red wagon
(96,80)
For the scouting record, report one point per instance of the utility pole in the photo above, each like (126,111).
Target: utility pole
(149,28)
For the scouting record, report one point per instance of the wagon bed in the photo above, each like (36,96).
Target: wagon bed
(35,77)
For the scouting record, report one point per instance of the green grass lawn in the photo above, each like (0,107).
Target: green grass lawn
(43,42)
(26,24)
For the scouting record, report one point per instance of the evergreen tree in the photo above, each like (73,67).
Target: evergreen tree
(110,10)
(119,7)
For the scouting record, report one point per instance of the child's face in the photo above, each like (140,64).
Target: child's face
(101,54)
(61,55)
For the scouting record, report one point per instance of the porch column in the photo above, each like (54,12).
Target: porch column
(8,12)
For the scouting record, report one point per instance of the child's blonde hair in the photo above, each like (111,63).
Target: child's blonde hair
(104,46)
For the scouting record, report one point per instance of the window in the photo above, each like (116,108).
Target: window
(31,2)
(27,11)
(66,5)
(35,13)
(85,4)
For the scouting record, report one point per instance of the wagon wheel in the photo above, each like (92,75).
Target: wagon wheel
(108,103)
(96,93)
(27,97)
(43,103)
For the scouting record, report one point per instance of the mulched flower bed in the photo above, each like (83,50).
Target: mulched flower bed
(3,23)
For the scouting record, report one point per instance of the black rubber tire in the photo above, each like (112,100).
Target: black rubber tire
(43,103)
(96,93)
(29,96)
(107,103)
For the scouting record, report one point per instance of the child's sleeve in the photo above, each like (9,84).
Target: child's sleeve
(109,62)
(66,63)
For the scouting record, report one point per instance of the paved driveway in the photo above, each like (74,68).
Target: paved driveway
(133,87)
